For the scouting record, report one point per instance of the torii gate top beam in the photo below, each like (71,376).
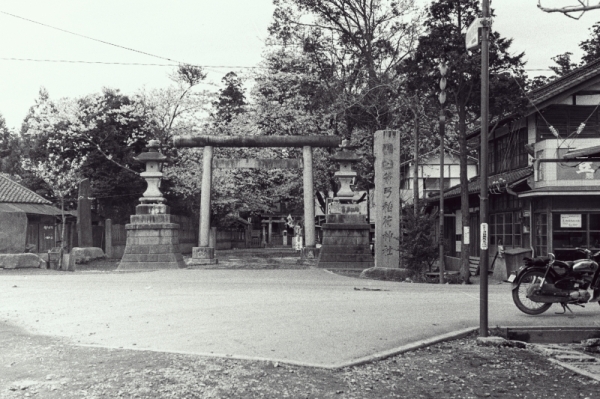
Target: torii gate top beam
(257,141)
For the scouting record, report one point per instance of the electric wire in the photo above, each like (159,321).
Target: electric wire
(93,39)
(123,63)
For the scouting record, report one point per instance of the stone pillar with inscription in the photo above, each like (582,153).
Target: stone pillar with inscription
(345,231)
(387,198)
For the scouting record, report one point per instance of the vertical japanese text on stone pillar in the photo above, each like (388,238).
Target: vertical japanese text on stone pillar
(387,198)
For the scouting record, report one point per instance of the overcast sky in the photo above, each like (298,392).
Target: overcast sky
(222,35)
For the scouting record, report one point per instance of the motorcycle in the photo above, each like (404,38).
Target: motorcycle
(542,281)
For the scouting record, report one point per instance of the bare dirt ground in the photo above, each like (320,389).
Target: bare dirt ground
(45,367)
(36,366)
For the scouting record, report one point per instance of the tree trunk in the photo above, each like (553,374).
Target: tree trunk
(62,233)
(465,272)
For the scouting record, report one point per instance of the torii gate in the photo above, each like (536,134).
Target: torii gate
(204,254)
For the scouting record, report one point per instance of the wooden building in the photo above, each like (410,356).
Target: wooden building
(28,222)
(544,183)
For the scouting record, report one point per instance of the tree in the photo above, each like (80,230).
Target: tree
(176,110)
(231,99)
(564,64)
(62,176)
(446,22)
(353,48)
(100,127)
(10,150)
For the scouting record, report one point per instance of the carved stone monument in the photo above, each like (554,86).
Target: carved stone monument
(345,231)
(387,198)
(152,237)
(84,215)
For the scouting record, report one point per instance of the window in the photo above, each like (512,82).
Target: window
(508,152)
(505,229)
(573,230)
(432,184)
(541,234)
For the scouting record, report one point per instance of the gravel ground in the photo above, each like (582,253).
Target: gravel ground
(46,367)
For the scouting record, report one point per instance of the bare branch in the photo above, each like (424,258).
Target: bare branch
(584,5)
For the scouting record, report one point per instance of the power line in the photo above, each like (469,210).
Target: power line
(83,62)
(121,63)
(91,38)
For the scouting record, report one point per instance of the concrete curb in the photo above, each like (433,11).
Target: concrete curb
(357,362)
(574,369)
(407,348)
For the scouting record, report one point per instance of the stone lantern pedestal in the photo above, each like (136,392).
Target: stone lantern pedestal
(152,237)
(345,231)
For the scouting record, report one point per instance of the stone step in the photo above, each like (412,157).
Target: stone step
(346,265)
(345,257)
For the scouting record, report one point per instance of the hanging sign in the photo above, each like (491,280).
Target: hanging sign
(473,37)
(484,236)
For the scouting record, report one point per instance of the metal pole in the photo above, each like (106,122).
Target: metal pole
(483,165)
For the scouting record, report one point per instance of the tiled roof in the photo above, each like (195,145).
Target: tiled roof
(550,90)
(12,192)
(565,82)
(510,177)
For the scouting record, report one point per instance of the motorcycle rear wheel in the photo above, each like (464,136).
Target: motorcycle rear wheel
(519,294)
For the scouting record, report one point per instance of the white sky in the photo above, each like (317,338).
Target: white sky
(214,33)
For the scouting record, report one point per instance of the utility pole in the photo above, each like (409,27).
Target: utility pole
(483,165)
(416,162)
(442,98)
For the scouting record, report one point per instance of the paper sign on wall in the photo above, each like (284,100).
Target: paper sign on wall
(570,221)
(466,235)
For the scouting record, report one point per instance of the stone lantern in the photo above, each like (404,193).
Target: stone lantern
(154,161)
(152,235)
(345,175)
(345,231)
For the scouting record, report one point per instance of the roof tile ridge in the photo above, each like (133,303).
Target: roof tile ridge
(564,77)
(20,186)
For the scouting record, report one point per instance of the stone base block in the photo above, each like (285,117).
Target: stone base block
(202,256)
(21,261)
(310,253)
(345,244)
(203,253)
(86,254)
(151,245)
(200,263)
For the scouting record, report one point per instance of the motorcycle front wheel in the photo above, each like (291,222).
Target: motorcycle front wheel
(519,294)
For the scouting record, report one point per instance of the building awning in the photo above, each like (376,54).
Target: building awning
(564,190)
(584,152)
(510,179)
(34,209)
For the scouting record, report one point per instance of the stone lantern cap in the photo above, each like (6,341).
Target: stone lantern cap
(152,155)
(345,156)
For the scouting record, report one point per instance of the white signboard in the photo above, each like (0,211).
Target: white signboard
(570,221)
(466,235)
(484,236)
(472,37)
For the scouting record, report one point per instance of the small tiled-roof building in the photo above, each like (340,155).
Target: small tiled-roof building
(27,220)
